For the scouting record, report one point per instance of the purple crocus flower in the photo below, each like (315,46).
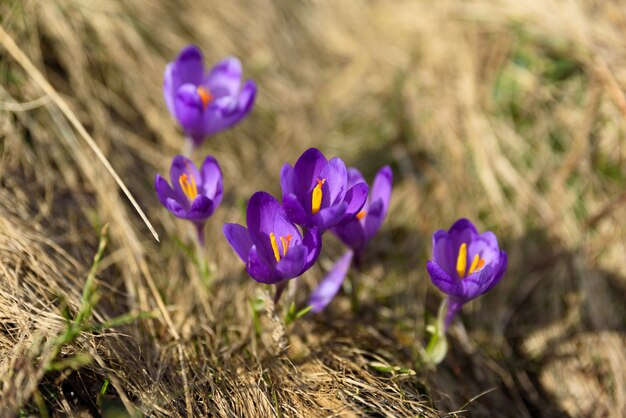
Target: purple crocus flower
(359,230)
(194,194)
(272,247)
(465,264)
(355,233)
(205,103)
(316,193)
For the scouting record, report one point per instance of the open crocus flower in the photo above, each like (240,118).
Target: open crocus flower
(272,247)
(316,193)
(194,194)
(205,103)
(359,230)
(465,264)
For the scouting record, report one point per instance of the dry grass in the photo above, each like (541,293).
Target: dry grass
(509,113)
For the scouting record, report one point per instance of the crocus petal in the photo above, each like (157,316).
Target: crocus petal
(287,180)
(498,271)
(294,210)
(336,175)
(224,79)
(352,234)
(313,241)
(187,68)
(441,279)
(247,97)
(328,217)
(292,264)
(190,112)
(175,207)
(307,170)
(355,198)
(164,191)
(486,246)
(188,65)
(454,306)
(463,231)
(226,111)
(201,208)
(475,284)
(330,285)
(373,219)
(211,177)
(258,268)
(238,238)
(443,252)
(354,177)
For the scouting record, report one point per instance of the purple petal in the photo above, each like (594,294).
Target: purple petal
(313,241)
(176,208)
(354,177)
(443,253)
(295,211)
(463,231)
(224,79)
(292,264)
(187,68)
(475,284)
(287,180)
(352,234)
(238,238)
(330,285)
(258,268)
(454,306)
(307,170)
(355,198)
(373,219)
(336,176)
(201,209)
(164,190)
(441,279)
(486,246)
(190,112)
(247,98)
(381,189)
(211,178)
(328,217)
(226,111)
(498,271)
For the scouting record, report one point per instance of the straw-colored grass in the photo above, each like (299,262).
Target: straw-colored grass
(510,113)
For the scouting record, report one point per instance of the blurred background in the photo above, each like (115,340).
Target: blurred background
(508,113)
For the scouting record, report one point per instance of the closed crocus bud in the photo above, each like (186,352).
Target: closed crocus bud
(206,102)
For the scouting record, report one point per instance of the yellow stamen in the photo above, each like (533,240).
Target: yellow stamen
(316,200)
(361,215)
(285,240)
(474,265)
(205,96)
(275,246)
(190,189)
(461,261)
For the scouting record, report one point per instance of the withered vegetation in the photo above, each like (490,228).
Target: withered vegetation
(510,113)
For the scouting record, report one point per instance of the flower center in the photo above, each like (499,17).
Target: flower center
(461,262)
(205,96)
(285,240)
(189,187)
(316,200)
(361,214)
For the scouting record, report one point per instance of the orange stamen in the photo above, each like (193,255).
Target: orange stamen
(361,214)
(285,241)
(275,246)
(189,188)
(205,96)
(316,199)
